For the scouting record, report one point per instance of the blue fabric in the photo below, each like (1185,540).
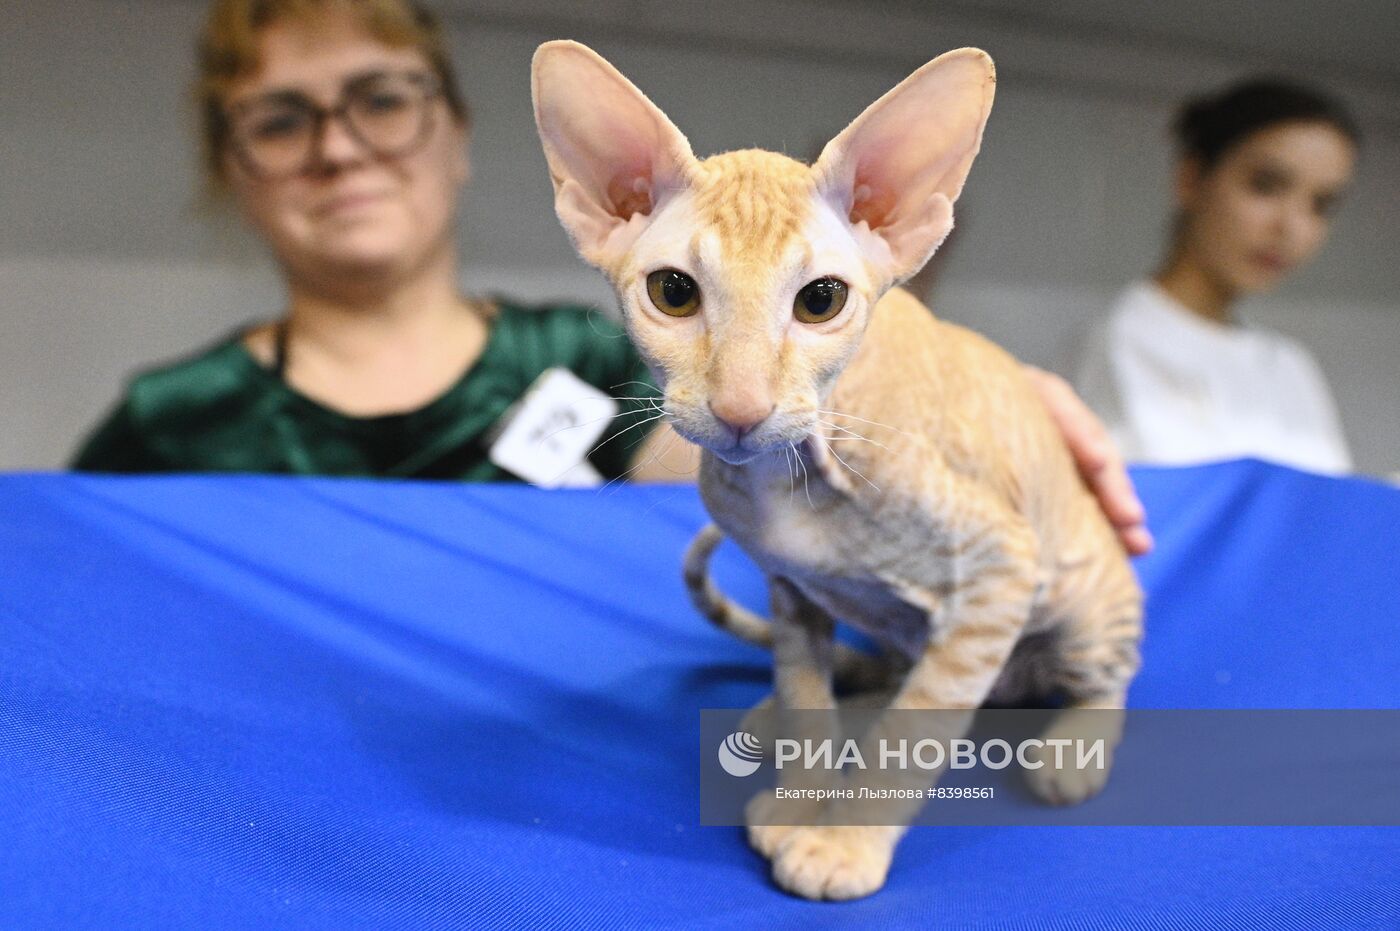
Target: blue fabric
(262,702)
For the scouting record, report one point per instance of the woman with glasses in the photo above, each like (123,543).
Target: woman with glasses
(336,128)
(338,132)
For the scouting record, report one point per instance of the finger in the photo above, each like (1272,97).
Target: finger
(1093,452)
(1088,441)
(1116,495)
(1097,460)
(1136,540)
(1123,508)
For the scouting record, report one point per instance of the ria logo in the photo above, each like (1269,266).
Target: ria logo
(740,754)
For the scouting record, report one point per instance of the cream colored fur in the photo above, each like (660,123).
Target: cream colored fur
(884,467)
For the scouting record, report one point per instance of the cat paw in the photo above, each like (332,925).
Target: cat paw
(767,838)
(765,809)
(1070,784)
(1066,785)
(833,862)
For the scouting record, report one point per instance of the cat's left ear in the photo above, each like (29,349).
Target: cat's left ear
(613,155)
(897,169)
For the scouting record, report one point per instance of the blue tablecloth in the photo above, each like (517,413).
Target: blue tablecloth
(244,701)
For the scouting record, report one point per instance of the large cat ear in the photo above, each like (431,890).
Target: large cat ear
(614,157)
(896,170)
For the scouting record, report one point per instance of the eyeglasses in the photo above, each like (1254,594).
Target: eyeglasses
(280,134)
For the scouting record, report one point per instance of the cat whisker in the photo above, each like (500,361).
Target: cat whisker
(873,423)
(625,429)
(575,426)
(853,469)
(654,457)
(792,470)
(670,442)
(834,426)
(672,496)
(805,488)
(863,439)
(633,382)
(852,435)
(629,470)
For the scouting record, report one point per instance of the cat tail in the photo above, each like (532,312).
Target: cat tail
(853,669)
(727,615)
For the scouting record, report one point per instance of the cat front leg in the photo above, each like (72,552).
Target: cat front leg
(1098,656)
(803,655)
(1084,722)
(981,622)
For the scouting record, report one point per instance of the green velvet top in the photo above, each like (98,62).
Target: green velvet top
(222,411)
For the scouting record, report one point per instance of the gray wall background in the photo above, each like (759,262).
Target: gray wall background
(108,263)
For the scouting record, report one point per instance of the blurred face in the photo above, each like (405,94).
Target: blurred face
(374,196)
(1265,208)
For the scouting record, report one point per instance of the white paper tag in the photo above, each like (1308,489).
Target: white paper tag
(554,427)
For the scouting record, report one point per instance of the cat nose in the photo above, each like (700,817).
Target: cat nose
(741,417)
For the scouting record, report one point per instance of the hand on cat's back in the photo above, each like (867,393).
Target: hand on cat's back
(1097,458)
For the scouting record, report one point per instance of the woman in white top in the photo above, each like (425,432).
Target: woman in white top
(1172,371)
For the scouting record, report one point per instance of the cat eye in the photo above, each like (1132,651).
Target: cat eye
(820,300)
(673,292)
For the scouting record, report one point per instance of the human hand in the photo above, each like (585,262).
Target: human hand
(1097,458)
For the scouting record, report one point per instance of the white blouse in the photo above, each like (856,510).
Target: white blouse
(1174,387)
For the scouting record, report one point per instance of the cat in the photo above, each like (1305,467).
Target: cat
(880,465)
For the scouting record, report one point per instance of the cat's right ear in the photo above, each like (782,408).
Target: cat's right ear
(896,171)
(613,156)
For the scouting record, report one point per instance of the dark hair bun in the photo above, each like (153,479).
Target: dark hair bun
(1207,127)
